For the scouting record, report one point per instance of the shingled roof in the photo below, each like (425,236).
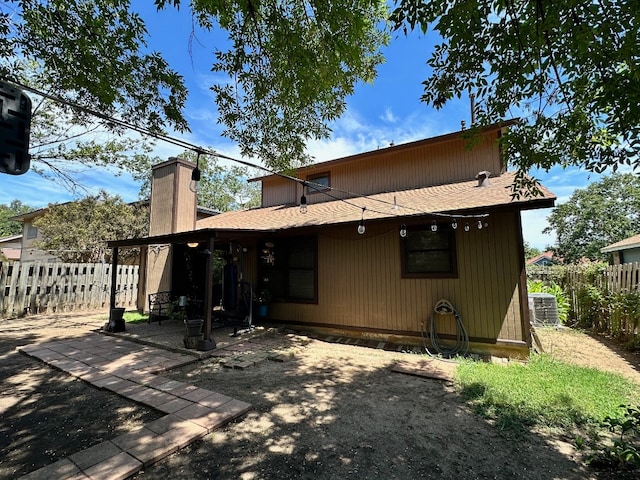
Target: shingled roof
(460,198)
(630,242)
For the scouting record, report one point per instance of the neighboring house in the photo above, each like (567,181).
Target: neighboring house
(624,251)
(544,259)
(432,228)
(31,234)
(10,248)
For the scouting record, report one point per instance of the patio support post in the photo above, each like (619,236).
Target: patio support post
(208,343)
(114,277)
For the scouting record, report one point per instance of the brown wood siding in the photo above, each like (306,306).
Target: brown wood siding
(162,200)
(279,191)
(426,165)
(185,200)
(360,284)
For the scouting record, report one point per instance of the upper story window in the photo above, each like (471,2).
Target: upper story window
(318,183)
(32,232)
(426,253)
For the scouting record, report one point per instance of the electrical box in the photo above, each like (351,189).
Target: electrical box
(15,124)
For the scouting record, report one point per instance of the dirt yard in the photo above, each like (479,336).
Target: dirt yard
(328,411)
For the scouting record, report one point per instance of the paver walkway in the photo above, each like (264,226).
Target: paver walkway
(133,371)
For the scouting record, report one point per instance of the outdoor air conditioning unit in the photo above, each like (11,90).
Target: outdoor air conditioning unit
(543,310)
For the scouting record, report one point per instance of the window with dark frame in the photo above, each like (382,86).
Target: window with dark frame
(320,181)
(288,270)
(32,231)
(426,253)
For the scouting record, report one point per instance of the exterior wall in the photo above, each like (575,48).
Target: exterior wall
(360,284)
(29,251)
(630,255)
(392,169)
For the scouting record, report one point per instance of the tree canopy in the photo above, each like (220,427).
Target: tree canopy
(290,66)
(569,69)
(10,227)
(78,231)
(603,213)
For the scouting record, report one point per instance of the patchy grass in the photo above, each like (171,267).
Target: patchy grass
(543,392)
(135,317)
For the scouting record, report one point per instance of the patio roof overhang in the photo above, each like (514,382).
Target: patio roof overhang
(198,235)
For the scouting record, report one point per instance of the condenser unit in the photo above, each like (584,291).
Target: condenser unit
(543,310)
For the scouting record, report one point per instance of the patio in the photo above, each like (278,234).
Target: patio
(133,364)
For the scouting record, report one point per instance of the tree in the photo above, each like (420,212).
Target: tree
(603,213)
(78,231)
(568,68)
(530,252)
(290,66)
(64,141)
(9,227)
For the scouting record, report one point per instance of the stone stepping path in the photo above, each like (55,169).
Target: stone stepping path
(133,371)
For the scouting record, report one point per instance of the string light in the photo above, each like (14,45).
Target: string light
(479,224)
(403,230)
(361,227)
(454,224)
(196,174)
(434,226)
(466,227)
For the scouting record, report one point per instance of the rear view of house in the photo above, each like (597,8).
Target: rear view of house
(370,243)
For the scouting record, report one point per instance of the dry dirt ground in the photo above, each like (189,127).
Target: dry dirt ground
(330,411)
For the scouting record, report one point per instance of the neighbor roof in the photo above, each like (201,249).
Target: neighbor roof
(462,197)
(625,244)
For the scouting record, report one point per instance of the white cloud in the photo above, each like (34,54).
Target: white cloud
(388,116)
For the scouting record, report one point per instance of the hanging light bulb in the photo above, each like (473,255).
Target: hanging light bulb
(403,230)
(195,176)
(486,224)
(479,224)
(434,226)
(361,227)
(303,204)
(466,227)
(454,224)
(395,204)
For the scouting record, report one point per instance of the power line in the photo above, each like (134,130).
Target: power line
(201,150)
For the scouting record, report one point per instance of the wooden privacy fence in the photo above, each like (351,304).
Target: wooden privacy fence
(607,299)
(622,278)
(35,287)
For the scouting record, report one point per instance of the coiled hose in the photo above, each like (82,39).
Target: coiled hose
(462,338)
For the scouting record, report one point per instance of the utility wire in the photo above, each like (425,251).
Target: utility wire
(201,150)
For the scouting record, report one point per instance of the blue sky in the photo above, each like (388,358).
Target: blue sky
(389,110)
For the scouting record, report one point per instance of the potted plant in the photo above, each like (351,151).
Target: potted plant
(263,300)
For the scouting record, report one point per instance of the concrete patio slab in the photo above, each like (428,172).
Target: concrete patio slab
(117,467)
(91,456)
